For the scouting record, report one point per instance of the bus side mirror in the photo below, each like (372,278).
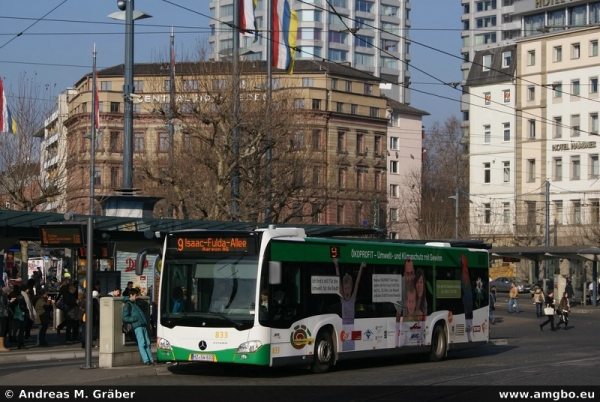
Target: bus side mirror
(274,272)
(140,259)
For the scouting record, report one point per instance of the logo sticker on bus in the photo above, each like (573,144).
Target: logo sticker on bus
(301,337)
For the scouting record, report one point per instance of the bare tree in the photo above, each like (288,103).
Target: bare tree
(195,176)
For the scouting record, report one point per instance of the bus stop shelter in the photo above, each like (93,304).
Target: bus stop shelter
(537,254)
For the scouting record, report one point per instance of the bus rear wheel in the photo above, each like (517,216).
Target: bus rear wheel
(438,344)
(323,356)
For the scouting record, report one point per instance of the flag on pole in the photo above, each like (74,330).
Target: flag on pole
(172,73)
(247,23)
(7,122)
(285,28)
(96,105)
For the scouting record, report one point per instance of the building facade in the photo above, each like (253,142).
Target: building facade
(343,112)
(370,35)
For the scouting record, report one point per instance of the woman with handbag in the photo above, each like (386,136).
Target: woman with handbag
(549,311)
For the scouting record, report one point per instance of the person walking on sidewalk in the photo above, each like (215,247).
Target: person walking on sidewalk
(549,304)
(133,314)
(513,298)
(5,313)
(564,308)
(538,299)
(569,291)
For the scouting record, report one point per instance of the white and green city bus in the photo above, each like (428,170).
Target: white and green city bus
(275,297)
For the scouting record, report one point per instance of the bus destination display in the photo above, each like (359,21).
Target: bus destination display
(61,235)
(216,244)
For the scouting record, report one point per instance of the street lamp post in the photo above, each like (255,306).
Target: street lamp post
(128,14)
(455,197)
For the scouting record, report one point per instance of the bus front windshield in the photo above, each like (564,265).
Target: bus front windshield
(209,292)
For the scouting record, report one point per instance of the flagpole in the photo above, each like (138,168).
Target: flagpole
(89,306)
(172,98)
(269,89)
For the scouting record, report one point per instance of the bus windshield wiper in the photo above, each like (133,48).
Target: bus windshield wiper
(238,325)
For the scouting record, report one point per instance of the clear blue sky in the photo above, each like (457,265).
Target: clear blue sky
(58,37)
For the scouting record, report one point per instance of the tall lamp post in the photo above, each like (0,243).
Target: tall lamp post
(128,14)
(455,197)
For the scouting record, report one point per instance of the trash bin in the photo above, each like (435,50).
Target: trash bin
(59,317)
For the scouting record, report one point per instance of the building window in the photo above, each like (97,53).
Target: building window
(394,190)
(576,212)
(299,103)
(558,215)
(394,144)
(487,173)
(298,141)
(339,107)
(594,123)
(360,144)
(316,176)
(348,86)
(138,142)
(341,142)
(394,167)
(506,131)
(487,62)
(575,125)
(532,129)
(594,85)
(593,48)
(575,88)
(595,211)
(487,134)
(506,96)
(506,171)
(138,86)
(316,104)
(164,143)
(531,58)
(360,179)
(353,109)
(105,85)
(378,180)
(341,178)
(557,54)
(506,56)
(558,127)
(368,89)
(575,51)
(557,90)
(487,98)
(307,82)
(115,141)
(97,176)
(531,170)
(378,145)
(531,93)
(374,112)
(558,167)
(317,140)
(487,213)
(575,168)
(594,166)
(393,214)
(114,107)
(506,212)
(316,213)
(340,214)
(114,177)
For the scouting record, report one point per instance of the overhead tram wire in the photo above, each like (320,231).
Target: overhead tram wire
(36,21)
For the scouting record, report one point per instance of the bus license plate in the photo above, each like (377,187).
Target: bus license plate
(202,358)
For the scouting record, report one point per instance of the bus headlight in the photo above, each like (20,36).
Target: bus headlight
(249,347)
(162,343)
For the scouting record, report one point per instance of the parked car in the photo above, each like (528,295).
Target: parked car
(503,284)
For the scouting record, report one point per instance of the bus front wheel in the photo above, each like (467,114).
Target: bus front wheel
(438,344)
(323,356)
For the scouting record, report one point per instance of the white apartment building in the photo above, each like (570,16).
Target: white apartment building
(53,148)
(369,35)
(404,163)
(491,140)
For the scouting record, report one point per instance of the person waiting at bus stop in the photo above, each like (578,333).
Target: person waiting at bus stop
(133,314)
